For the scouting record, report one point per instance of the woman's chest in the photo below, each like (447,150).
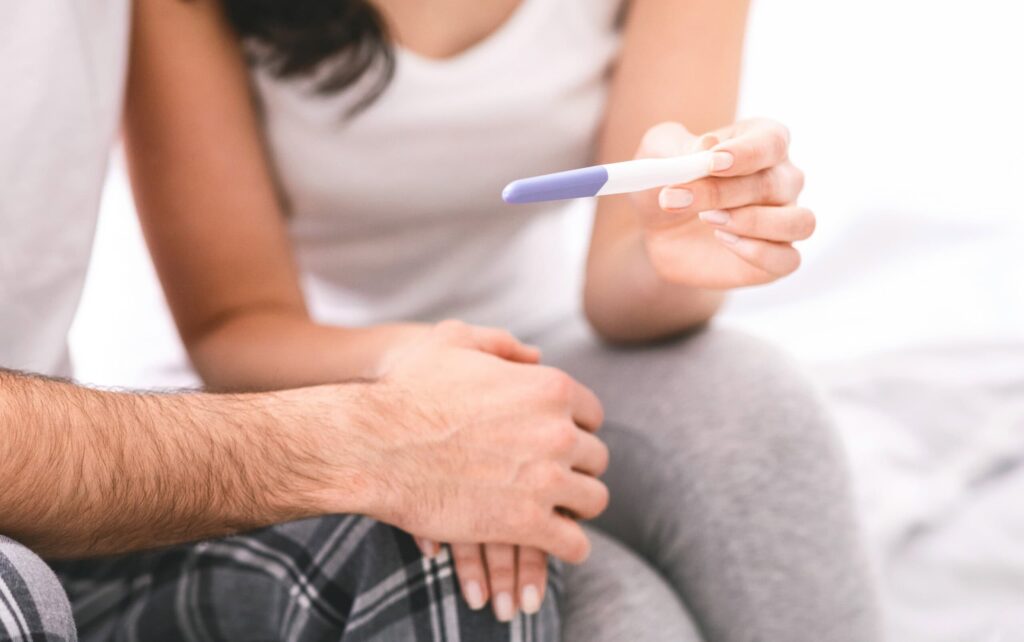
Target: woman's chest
(446,135)
(440,29)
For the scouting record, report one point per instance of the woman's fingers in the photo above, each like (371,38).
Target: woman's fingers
(754,145)
(785,224)
(771,257)
(501,576)
(428,547)
(469,567)
(531,577)
(777,185)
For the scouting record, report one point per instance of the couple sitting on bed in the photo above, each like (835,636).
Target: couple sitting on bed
(318,184)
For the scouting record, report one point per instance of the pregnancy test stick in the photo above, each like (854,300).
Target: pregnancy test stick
(613,178)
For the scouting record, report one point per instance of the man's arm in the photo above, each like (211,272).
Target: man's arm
(89,472)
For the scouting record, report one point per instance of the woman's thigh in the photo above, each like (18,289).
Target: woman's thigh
(726,476)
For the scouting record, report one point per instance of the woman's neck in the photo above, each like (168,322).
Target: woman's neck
(444,28)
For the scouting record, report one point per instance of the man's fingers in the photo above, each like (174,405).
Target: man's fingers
(587,411)
(531,577)
(784,224)
(773,258)
(563,538)
(583,496)
(469,566)
(503,344)
(590,455)
(754,146)
(501,576)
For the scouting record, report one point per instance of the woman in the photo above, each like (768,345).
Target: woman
(362,153)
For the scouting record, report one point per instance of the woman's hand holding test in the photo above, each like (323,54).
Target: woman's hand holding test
(736,227)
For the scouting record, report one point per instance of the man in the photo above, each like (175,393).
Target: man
(91,473)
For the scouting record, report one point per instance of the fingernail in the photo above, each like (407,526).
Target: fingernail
(715,217)
(530,599)
(503,607)
(675,199)
(474,595)
(721,161)
(726,237)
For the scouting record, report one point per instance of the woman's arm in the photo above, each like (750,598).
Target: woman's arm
(206,201)
(655,268)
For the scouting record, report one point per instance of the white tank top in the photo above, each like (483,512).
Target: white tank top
(396,213)
(62,67)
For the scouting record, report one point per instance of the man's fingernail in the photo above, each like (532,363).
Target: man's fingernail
(726,237)
(715,217)
(474,595)
(530,599)
(675,199)
(503,608)
(721,161)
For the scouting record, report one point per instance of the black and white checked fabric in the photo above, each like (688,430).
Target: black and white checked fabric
(330,578)
(33,607)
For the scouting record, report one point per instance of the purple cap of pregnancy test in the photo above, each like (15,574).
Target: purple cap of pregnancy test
(575,183)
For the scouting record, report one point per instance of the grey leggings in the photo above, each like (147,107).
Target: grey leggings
(730,517)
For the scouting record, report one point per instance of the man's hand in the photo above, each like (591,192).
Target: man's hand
(736,227)
(466,447)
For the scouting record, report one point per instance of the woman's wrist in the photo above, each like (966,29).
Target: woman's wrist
(626,299)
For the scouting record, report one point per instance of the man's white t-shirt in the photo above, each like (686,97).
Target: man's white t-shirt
(62,71)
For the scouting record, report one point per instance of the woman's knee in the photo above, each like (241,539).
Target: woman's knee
(616,595)
(34,605)
(718,394)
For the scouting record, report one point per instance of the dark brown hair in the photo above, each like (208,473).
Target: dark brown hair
(339,41)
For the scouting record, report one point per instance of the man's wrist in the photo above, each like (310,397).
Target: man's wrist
(327,462)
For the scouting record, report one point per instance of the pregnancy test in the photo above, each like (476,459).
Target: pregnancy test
(613,178)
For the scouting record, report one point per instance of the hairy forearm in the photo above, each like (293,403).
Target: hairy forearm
(268,349)
(626,301)
(88,472)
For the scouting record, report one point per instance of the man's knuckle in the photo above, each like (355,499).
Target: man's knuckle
(557,385)
(546,476)
(563,437)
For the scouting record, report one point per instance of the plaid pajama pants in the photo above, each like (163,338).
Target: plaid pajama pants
(330,578)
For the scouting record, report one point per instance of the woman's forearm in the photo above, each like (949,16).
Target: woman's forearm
(273,349)
(626,300)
